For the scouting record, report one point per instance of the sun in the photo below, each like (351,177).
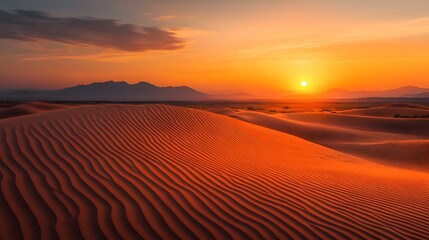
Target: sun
(304,83)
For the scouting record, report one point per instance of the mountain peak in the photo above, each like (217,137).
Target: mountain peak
(111,82)
(142,83)
(115,91)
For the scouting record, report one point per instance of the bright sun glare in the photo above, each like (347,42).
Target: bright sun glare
(304,84)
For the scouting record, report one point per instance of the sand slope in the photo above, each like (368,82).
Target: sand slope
(417,127)
(389,112)
(158,172)
(28,108)
(397,142)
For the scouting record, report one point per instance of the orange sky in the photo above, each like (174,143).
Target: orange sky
(260,48)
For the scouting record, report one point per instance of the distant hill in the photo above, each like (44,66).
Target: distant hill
(109,91)
(418,95)
(406,91)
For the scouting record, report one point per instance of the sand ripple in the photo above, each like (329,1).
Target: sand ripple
(158,172)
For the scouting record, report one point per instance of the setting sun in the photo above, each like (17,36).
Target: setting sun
(304,84)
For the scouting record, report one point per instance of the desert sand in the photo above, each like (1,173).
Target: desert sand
(164,172)
(371,133)
(17,110)
(391,110)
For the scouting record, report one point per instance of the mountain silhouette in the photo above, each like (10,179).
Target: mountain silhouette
(110,91)
(144,91)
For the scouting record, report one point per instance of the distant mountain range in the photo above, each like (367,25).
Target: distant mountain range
(117,91)
(108,91)
(402,92)
(144,91)
(418,95)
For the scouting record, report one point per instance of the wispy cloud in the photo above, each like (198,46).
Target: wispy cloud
(165,17)
(366,33)
(102,57)
(107,33)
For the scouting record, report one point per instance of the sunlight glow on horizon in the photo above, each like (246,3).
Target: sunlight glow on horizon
(255,48)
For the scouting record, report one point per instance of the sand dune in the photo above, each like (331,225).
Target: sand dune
(406,105)
(403,153)
(28,108)
(418,127)
(389,112)
(366,141)
(158,172)
(369,137)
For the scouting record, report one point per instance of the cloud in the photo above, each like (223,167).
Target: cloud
(391,31)
(166,17)
(107,33)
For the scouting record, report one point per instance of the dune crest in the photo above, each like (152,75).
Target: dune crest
(29,108)
(155,171)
